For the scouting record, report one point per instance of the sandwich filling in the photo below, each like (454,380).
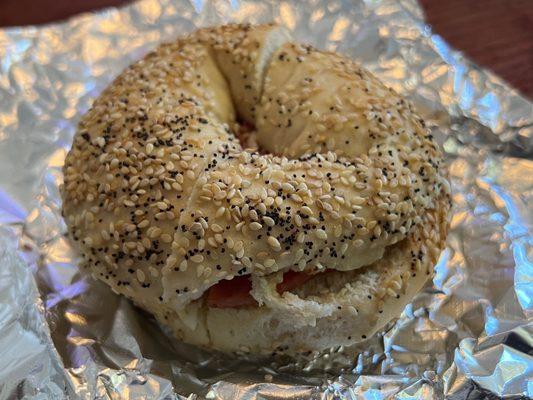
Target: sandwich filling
(236,293)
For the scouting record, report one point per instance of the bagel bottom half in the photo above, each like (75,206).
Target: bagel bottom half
(332,309)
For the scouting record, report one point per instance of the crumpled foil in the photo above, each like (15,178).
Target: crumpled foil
(466,336)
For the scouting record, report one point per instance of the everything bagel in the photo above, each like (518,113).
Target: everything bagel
(317,240)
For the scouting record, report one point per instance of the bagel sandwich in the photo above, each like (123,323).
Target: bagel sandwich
(318,239)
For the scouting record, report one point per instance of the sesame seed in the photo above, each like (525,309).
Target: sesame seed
(166,238)
(274,243)
(321,234)
(197,258)
(269,221)
(269,263)
(143,224)
(306,210)
(255,226)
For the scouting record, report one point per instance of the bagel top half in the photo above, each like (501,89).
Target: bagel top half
(163,202)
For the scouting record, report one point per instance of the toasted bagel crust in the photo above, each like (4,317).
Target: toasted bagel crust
(163,202)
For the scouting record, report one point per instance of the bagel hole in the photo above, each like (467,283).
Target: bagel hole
(246,135)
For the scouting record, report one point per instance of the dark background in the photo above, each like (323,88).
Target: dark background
(496,34)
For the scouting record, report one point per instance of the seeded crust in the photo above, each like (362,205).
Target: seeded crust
(162,201)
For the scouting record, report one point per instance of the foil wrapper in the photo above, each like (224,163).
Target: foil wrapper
(468,335)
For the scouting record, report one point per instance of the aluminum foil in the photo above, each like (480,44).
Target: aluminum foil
(468,335)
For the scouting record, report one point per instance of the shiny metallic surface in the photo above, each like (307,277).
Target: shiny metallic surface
(467,335)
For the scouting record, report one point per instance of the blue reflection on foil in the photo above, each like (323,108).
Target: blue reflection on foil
(67,292)
(466,93)
(373,394)
(489,110)
(523,274)
(10,211)
(14,53)
(198,5)
(492,324)
(442,270)
(517,231)
(443,49)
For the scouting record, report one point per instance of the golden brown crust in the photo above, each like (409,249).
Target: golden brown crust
(163,202)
